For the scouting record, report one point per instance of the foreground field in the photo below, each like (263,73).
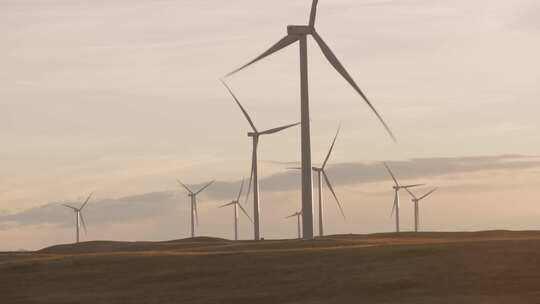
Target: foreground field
(483,267)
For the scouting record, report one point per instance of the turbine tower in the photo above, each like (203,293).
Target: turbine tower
(254,176)
(79,219)
(193,199)
(321,173)
(236,204)
(416,200)
(298,216)
(397,187)
(300,33)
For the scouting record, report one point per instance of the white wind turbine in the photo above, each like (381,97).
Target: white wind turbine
(79,219)
(193,199)
(397,187)
(254,176)
(236,204)
(300,33)
(416,200)
(298,216)
(322,173)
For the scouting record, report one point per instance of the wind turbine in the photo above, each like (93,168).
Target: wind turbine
(236,204)
(300,33)
(322,173)
(397,187)
(298,216)
(416,200)
(79,219)
(193,198)
(254,176)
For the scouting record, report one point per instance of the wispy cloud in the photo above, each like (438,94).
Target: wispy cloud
(150,205)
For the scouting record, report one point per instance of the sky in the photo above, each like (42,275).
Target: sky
(122,97)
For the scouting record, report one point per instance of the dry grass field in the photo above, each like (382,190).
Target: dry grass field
(480,267)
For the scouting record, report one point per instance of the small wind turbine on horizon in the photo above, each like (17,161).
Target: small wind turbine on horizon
(322,173)
(298,216)
(300,33)
(193,199)
(397,187)
(416,200)
(79,219)
(236,204)
(254,175)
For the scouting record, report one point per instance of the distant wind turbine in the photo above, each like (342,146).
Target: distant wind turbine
(254,176)
(298,216)
(236,204)
(79,219)
(193,198)
(300,33)
(397,187)
(416,200)
(321,172)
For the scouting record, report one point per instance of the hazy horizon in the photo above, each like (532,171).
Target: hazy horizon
(123,97)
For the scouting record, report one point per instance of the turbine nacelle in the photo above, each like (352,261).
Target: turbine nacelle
(300,30)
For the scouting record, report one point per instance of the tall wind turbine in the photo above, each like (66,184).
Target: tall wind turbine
(193,198)
(320,171)
(236,204)
(254,176)
(320,174)
(79,219)
(416,200)
(397,187)
(300,33)
(298,216)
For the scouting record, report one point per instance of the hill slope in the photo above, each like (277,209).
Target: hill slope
(483,267)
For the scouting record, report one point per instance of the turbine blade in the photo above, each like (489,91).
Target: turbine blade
(412,186)
(331,147)
(250,176)
(185,187)
(391,174)
(241,189)
(275,130)
(246,115)
(333,193)
(245,212)
(68,206)
(83,223)
(428,194)
(339,67)
(395,203)
(283,43)
(292,215)
(86,201)
(202,189)
(411,194)
(226,205)
(313,14)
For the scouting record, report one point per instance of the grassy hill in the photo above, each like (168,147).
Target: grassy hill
(481,267)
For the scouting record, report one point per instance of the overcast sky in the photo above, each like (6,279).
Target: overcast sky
(122,97)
